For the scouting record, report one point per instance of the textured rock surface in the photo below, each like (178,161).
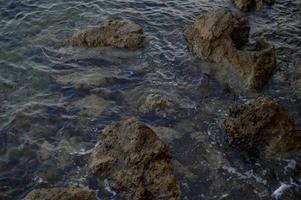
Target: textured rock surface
(136,161)
(114,33)
(296,82)
(246,5)
(68,193)
(262,128)
(219,36)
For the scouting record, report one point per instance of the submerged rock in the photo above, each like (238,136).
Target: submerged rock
(67,193)
(262,128)
(113,33)
(219,36)
(246,5)
(296,82)
(136,161)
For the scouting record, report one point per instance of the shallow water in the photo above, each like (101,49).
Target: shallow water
(47,129)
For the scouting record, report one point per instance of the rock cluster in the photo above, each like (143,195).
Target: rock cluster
(136,161)
(112,33)
(246,5)
(63,193)
(219,36)
(262,128)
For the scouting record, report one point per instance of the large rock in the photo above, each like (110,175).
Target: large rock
(262,128)
(219,36)
(246,5)
(113,33)
(68,193)
(136,161)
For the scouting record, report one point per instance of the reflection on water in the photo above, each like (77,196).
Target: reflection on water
(55,99)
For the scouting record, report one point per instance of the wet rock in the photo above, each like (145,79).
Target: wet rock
(90,78)
(91,105)
(220,36)
(296,80)
(136,161)
(246,5)
(113,33)
(262,128)
(67,193)
(155,103)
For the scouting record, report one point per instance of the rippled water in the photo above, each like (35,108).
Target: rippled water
(48,130)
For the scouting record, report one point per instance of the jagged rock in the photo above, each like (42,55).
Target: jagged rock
(296,80)
(246,5)
(113,33)
(219,36)
(262,128)
(67,193)
(136,161)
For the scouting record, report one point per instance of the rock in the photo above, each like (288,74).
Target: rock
(136,161)
(246,5)
(91,106)
(86,79)
(113,33)
(155,103)
(219,36)
(296,80)
(67,193)
(262,128)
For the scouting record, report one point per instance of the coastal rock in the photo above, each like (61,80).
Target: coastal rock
(136,162)
(113,33)
(246,5)
(262,128)
(67,193)
(296,80)
(219,36)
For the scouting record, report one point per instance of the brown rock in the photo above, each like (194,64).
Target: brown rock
(68,193)
(136,161)
(262,128)
(246,5)
(113,33)
(219,35)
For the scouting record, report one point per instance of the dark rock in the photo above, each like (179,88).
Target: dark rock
(136,161)
(68,193)
(219,36)
(296,80)
(262,128)
(246,5)
(113,33)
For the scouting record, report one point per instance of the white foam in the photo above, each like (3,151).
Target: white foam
(279,191)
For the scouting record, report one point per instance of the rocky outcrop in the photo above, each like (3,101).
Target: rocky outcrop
(262,128)
(296,80)
(219,36)
(112,33)
(246,5)
(136,161)
(67,193)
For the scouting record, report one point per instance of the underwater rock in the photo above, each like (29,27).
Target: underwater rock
(136,162)
(246,5)
(67,193)
(85,79)
(296,80)
(91,105)
(262,128)
(155,103)
(113,33)
(219,36)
